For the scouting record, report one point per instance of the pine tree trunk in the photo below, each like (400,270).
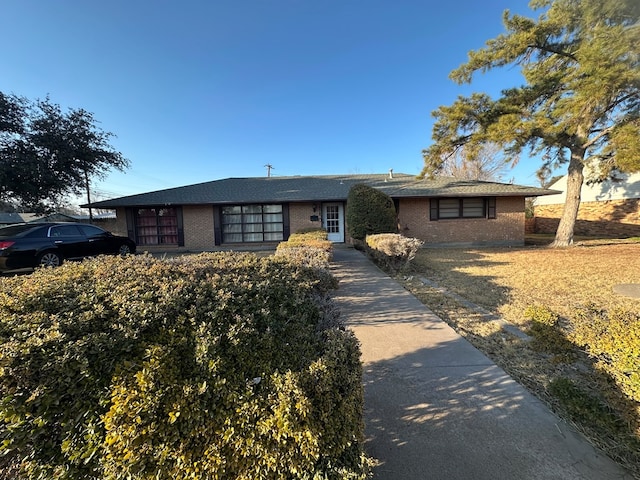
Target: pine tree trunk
(575,178)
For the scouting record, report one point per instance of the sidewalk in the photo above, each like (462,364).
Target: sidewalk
(436,407)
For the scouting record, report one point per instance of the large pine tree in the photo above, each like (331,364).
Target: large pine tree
(580,101)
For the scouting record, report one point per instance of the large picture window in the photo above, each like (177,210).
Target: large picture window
(252,223)
(156,226)
(464,207)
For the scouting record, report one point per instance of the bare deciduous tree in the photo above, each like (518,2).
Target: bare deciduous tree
(486,163)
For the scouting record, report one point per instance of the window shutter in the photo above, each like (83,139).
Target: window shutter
(433,214)
(217,221)
(491,207)
(180,226)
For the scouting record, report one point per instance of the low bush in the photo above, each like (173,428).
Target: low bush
(217,366)
(581,405)
(548,335)
(392,250)
(310,248)
(311,233)
(612,338)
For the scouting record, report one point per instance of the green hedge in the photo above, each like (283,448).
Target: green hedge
(369,212)
(218,366)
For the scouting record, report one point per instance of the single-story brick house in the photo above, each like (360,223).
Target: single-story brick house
(235,212)
(609,209)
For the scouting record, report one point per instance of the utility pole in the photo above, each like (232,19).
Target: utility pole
(86,181)
(269,168)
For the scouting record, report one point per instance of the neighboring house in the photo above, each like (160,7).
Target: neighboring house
(254,211)
(7,218)
(609,209)
(104,220)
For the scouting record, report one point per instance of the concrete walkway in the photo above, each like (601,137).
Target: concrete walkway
(436,407)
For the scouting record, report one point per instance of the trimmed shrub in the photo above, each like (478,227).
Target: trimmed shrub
(369,211)
(310,248)
(392,250)
(309,233)
(216,366)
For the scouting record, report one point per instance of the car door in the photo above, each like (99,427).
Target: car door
(69,241)
(99,242)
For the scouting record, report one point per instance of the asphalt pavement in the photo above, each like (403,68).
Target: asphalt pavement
(438,408)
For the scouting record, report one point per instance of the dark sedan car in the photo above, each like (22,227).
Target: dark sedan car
(28,245)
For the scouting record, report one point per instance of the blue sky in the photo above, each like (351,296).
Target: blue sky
(201,90)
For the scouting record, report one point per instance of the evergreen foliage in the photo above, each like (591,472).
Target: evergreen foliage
(46,153)
(217,366)
(579,104)
(369,211)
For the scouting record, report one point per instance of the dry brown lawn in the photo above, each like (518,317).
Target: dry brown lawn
(505,281)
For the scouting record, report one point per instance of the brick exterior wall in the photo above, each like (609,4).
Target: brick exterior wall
(120,227)
(609,219)
(506,229)
(300,216)
(198,228)
(529,225)
(413,219)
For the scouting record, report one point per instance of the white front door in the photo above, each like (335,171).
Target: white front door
(333,221)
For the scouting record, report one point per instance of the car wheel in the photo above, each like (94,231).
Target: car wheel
(49,259)
(124,249)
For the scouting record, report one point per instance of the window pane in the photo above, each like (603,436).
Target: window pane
(65,231)
(148,240)
(272,208)
(90,230)
(273,217)
(253,227)
(230,210)
(253,237)
(252,209)
(273,237)
(252,218)
(168,221)
(232,237)
(449,208)
(473,207)
(168,230)
(232,228)
(273,227)
(232,219)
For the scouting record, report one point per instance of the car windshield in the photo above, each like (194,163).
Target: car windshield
(13,230)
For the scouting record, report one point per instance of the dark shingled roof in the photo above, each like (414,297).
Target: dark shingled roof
(322,188)
(9,218)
